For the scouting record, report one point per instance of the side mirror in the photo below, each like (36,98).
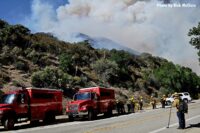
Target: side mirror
(22,98)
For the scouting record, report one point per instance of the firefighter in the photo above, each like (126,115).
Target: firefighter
(140,103)
(129,105)
(120,107)
(132,104)
(163,101)
(180,114)
(153,102)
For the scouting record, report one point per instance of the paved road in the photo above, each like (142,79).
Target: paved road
(148,121)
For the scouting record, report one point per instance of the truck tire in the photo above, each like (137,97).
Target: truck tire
(71,118)
(49,118)
(109,113)
(9,123)
(91,115)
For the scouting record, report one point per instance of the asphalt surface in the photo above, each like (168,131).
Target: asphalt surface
(145,121)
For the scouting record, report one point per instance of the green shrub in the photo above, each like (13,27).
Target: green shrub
(17,83)
(50,77)
(4,78)
(21,65)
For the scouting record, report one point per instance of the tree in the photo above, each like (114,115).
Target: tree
(194,33)
(3,24)
(174,78)
(50,77)
(121,57)
(14,35)
(65,62)
(105,69)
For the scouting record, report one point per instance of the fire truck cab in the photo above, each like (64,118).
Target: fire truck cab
(90,102)
(30,104)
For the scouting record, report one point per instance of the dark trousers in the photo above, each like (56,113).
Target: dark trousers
(181,119)
(153,105)
(129,108)
(132,107)
(141,104)
(120,108)
(163,104)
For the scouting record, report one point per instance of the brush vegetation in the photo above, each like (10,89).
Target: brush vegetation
(42,60)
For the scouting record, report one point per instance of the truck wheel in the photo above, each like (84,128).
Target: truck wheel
(9,123)
(52,118)
(49,118)
(90,115)
(109,113)
(71,118)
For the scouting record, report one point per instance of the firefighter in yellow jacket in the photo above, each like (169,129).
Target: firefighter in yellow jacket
(141,102)
(180,115)
(163,100)
(132,104)
(153,102)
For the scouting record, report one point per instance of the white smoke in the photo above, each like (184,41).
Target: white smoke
(138,24)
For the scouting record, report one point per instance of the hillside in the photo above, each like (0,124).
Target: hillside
(101,42)
(41,60)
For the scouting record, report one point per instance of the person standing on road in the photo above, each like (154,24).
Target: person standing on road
(141,102)
(153,102)
(120,107)
(163,100)
(129,105)
(132,104)
(180,114)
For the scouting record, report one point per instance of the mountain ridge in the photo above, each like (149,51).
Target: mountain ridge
(102,42)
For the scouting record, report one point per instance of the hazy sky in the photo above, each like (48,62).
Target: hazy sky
(143,25)
(15,11)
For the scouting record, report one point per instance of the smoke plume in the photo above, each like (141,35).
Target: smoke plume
(143,25)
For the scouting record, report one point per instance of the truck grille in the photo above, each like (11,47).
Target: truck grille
(73,107)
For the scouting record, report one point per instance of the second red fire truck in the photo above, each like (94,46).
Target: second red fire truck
(90,102)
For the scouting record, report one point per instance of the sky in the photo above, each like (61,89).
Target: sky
(143,25)
(16,11)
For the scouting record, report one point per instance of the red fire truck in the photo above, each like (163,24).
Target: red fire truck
(30,104)
(90,102)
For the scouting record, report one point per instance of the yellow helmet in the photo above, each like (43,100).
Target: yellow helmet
(132,98)
(175,93)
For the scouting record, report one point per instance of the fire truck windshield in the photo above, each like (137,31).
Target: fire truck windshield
(82,96)
(7,99)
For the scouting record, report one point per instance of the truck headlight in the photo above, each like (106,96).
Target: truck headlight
(67,108)
(1,111)
(83,108)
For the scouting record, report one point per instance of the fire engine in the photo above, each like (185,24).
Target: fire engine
(90,102)
(30,104)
